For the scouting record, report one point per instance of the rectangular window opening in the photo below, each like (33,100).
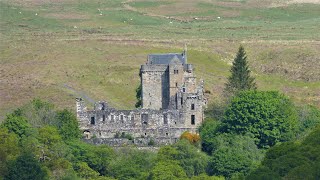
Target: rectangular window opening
(121,118)
(192,106)
(103,117)
(193,119)
(93,122)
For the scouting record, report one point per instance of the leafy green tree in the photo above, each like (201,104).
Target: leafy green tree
(190,158)
(84,171)
(269,116)
(240,78)
(26,167)
(16,124)
(292,160)
(67,124)
(208,131)
(234,155)
(97,157)
(131,164)
(39,113)
(48,136)
(9,149)
(165,170)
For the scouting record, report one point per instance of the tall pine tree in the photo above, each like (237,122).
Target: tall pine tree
(240,78)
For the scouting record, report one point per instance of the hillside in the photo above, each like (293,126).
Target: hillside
(61,49)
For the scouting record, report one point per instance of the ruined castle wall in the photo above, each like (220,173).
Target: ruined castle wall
(138,123)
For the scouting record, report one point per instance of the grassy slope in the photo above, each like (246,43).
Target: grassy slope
(68,49)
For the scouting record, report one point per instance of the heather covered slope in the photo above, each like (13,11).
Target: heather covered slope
(58,49)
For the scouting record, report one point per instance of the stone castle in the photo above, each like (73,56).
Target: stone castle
(172,103)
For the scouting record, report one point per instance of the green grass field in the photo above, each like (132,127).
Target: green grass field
(60,49)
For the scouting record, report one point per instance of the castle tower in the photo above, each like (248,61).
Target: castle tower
(161,78)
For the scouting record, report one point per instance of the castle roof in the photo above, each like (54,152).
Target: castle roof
(169,58)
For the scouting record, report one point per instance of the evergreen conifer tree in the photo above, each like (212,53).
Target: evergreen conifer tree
(240,78)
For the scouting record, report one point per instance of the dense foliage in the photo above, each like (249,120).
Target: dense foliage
(234,155)
(269,116)
(292,160)
(45,144)
(240,78)
(253,122)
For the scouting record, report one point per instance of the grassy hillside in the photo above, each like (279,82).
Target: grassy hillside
(61,49)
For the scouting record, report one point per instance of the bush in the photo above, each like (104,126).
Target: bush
(192,138)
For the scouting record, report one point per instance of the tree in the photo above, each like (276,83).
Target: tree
(131,164)
(240,78)
(39,113)
(26,167)
(208,131)
(9,149)
(164,170)
(292,160)
(16,124)
(84,171)
(97,157)
(139,96)
(234,155)
(269,116)
(190,158)
(67,124)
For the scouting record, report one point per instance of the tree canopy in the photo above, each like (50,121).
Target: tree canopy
(49,147)
(268,115)
(292,160)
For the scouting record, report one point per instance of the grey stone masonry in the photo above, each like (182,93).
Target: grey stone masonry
(172,103)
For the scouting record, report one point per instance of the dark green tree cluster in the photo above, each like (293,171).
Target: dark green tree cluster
(292,160)
(253,123)
(268,115)
(249,124)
